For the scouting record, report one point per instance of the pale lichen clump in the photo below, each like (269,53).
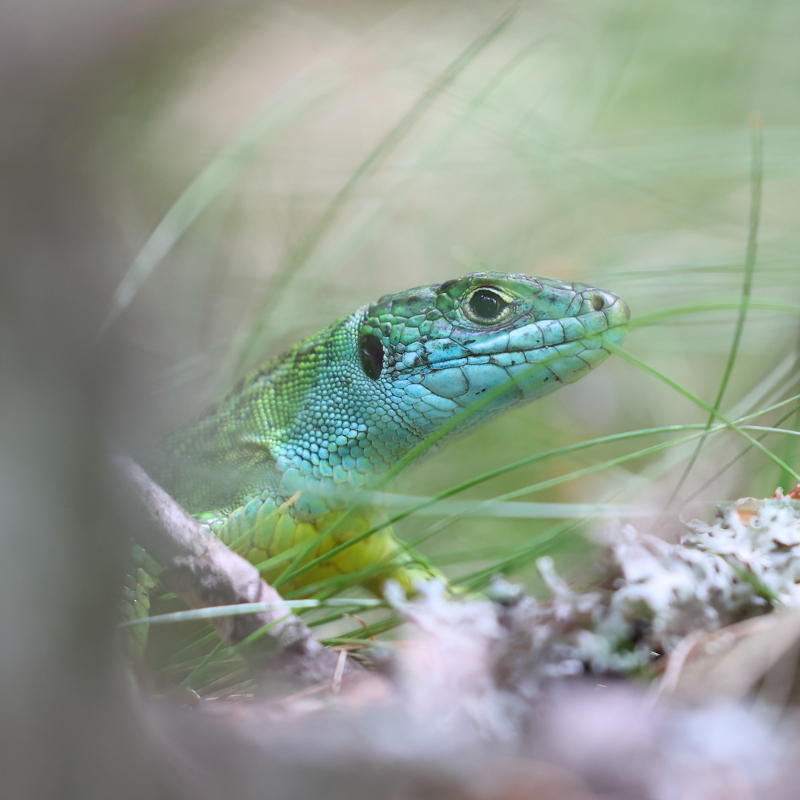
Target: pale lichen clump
(742,565)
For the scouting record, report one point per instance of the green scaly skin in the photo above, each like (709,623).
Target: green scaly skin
(273,465)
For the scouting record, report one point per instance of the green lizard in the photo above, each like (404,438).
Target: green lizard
(271,468)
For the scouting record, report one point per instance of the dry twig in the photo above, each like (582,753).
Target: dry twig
(205,573)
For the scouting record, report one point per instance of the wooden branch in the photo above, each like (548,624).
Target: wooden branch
(205,573)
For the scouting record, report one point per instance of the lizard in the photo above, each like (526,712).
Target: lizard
(272,468)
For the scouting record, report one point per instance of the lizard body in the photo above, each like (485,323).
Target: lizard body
(270,469)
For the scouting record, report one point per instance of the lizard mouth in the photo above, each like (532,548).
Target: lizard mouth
(530,360)
(532,342)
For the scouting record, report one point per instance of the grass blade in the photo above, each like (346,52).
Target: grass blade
(749,268)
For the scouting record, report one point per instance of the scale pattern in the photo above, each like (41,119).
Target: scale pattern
(269,468)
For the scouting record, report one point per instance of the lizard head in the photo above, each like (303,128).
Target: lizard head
(487,340)
(450,355)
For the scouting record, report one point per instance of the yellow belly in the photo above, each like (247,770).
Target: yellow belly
(279,545)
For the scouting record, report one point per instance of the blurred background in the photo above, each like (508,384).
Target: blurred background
(189,187)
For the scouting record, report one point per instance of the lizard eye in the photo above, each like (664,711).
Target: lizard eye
(486,306)
(370,351)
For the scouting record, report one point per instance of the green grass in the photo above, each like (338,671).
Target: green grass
(608,142)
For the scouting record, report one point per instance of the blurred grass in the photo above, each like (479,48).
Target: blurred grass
(605,141)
